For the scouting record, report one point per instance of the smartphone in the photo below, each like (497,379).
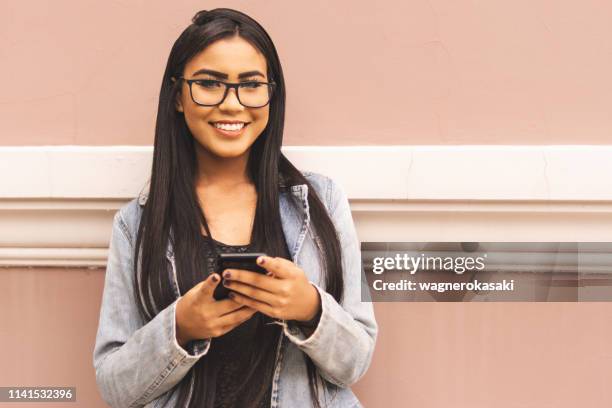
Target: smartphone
(236,260)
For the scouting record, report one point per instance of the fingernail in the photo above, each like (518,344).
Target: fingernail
(231,295)
(269,273)
(215,278)
(227,274)
(261,260)
(226,282)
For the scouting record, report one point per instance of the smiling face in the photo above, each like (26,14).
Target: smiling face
(230,60)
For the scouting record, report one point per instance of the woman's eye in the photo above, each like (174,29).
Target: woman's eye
(251,85)
(209,83)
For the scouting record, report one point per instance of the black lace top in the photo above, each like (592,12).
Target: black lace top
(241,380)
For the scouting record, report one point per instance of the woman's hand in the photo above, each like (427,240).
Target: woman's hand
(285,293)
(200,316)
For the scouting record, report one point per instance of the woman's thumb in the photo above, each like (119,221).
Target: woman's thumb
(209,285)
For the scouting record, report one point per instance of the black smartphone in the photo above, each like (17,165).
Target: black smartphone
(235,260)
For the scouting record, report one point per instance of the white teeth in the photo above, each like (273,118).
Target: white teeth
(226,126)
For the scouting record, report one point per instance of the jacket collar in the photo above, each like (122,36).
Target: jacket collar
(292,216)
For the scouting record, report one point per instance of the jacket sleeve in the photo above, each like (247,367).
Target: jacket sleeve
(343,342)
(135,362)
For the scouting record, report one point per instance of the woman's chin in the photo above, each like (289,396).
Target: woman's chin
(232,155)
(223,150)
(230,152)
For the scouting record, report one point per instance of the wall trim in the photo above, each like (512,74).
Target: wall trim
(57,202)
(571,172)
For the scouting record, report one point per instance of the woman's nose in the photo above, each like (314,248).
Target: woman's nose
(231,101)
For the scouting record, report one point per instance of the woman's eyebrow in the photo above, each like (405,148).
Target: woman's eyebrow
(222,75)
(250,74)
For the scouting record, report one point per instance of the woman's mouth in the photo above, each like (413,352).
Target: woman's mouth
(229,129)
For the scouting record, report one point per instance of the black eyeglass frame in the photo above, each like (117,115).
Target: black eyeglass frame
(228,85)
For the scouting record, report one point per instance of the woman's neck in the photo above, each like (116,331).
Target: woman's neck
(221,172)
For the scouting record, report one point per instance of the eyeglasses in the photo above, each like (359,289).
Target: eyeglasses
(211,92)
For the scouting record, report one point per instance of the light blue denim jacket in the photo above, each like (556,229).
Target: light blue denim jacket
(140,364)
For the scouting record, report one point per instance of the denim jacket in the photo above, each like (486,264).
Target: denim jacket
(140,364)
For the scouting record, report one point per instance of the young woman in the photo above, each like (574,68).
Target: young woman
(298,336)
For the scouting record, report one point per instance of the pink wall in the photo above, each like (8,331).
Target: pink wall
(49,320)
(395,72)
(428,355)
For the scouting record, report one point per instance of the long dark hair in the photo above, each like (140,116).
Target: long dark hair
(173,205)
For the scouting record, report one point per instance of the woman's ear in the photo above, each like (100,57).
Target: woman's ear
(177,103)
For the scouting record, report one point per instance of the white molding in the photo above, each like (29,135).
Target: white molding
(367,172)
(59,257)
(57,202)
